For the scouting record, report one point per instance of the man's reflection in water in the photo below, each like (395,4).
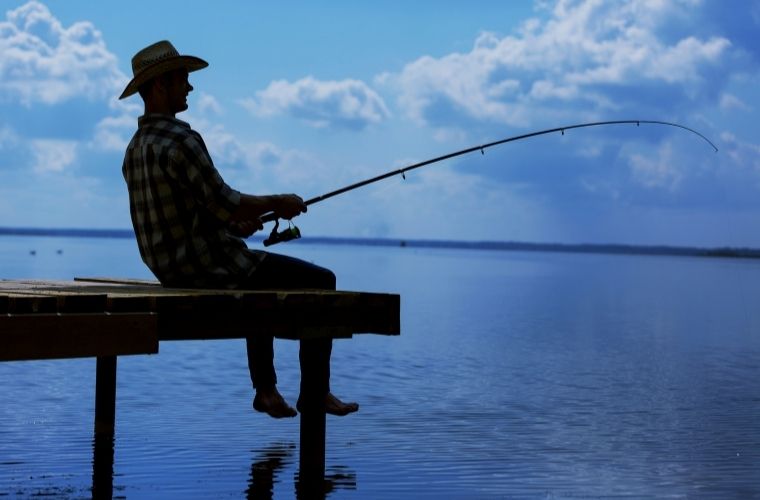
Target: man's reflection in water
(265,468)
(272,460)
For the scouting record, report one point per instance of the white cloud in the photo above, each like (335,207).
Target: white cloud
(227,149)
(657,171)
(730,101)
(347,103)
(8,136)
(209,104)
(585,53)
(745,155)
(61,200)
(601,188)
(433,203)
(51,155)
(113,133)
(43,61)
(449,135)
(259,167)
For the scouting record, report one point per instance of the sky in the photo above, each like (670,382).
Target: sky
(302,97)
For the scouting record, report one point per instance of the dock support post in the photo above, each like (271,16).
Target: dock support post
(105,395)
(315,384)
(312,456)
(102,466)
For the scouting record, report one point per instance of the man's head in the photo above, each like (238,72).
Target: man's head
(161,65)
(167,92)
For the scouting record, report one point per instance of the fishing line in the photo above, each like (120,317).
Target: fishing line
(289,234)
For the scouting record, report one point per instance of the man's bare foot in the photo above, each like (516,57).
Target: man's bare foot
(271,402)
(335,406)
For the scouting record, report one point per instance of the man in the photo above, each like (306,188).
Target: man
(189,223)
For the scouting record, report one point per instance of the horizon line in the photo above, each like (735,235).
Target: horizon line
(505,245)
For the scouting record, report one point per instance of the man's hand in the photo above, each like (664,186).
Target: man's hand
(244,228)
(287,206)
(283,206)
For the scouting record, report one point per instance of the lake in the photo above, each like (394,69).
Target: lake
(516,375)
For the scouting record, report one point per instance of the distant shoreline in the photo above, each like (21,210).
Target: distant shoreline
(728,252)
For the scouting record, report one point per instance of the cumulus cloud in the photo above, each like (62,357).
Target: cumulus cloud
(209,104)
(44,61)
(730,102)
(259,166)
(435,203)
(657,171)
(587,53)
(8,136)
(743,154)
(349,104)
(112,133)
(51,155)
(227,149)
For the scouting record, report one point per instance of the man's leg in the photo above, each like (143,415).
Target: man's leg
(314,356)
(261,361)
(282,272)
(264,379)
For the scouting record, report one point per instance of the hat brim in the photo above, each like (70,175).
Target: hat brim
(190,63)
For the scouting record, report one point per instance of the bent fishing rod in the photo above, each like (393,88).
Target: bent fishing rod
(292,232)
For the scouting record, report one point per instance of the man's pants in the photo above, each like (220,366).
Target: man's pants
(282,272)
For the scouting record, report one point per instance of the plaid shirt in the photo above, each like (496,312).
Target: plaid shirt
(180,208)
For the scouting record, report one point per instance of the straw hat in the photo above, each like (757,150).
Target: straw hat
(155,60)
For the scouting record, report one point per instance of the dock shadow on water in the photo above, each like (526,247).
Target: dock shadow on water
(271,462)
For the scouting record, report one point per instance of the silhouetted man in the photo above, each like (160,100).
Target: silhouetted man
(190,224)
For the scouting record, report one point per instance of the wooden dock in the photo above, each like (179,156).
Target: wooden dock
(106,318)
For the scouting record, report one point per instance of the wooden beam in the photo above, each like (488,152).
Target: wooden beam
(181,314)
(51,336)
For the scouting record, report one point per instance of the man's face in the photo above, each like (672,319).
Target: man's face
(177,89)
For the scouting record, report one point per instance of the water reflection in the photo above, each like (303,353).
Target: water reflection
(270,462)
(265,469)
(336,478)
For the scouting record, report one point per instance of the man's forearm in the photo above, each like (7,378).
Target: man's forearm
(252,207)
(283,205)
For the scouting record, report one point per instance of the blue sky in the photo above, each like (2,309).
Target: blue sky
(302,97)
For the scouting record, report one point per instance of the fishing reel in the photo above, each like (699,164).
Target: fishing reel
(287,234)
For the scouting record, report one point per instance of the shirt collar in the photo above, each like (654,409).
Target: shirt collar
(149,118)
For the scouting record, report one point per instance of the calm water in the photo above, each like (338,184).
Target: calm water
(517,375)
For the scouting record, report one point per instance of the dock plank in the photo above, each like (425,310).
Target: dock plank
(117,281)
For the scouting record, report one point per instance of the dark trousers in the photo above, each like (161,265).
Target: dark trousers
(283,272)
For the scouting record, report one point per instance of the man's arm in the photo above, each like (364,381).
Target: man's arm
(284,206)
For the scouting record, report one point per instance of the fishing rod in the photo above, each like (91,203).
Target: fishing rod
(292,231)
